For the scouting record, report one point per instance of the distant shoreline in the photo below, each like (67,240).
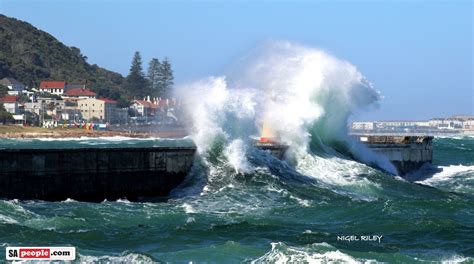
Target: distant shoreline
(7,131)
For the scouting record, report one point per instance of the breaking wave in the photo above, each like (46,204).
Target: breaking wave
(304,94)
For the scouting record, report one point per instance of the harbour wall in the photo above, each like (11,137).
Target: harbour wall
(92,174)
(406,153)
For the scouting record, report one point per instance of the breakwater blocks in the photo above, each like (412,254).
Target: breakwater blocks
(407,153)
(92,174)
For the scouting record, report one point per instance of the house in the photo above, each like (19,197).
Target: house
(50,106)
(15,87)
(143,107)
(10,102)
(78,93)
(19,119)
(102,109)
(52,87)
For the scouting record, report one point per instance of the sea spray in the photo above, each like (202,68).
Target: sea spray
(305,95)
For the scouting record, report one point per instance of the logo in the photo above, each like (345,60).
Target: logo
(41,253)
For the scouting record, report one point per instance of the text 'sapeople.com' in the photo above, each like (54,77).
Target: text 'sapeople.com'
(41,253)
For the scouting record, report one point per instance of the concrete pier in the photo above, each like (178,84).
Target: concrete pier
(407,153)
(92,174)
(275,149)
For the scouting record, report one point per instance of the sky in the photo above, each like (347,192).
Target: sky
(418,54)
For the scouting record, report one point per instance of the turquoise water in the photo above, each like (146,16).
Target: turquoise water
(264,210)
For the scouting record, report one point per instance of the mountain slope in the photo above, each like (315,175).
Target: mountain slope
(31,55)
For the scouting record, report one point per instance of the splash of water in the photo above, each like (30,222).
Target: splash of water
(305,95)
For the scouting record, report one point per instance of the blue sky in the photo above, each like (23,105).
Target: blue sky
(418,54)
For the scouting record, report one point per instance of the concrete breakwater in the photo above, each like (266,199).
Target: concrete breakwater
(406,153)
(93,174)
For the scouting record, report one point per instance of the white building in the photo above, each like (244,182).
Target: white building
(52,87)
(363,125)
(10,102)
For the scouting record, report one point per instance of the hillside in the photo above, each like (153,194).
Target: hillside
(30,55)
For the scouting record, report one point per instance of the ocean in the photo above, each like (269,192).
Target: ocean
(240,204)
(271,211)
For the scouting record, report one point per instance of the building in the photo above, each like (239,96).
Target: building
(49,106)
(402,124)
(78,93)
(363,125)
(71,113)
(142,107)
(15,87)
(469,124)
(10,102)
(52,87)
(102,109)
(19,120)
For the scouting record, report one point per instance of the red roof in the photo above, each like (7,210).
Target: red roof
(79,92)
(8,99)
(106,100)
(52,84)
(163,103)
(144,103)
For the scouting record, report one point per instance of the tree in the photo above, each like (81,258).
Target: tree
(154,77)
(3,90)
(135,84)
(166,78)
(5,117)
(23,99)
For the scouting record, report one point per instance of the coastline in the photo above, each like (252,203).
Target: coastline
(35,132)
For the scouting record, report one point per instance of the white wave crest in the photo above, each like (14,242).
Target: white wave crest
(448,173)
(316,253)
(303,93)
(125,258)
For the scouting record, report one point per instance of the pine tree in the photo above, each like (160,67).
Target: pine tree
(135,84)
(166,78)
(154,78)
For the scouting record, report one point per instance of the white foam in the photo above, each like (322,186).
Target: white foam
(457,259)
(448,173)
(7,219)
(318,253)
(125,259)
(235,153)
(291,86)
(188,208)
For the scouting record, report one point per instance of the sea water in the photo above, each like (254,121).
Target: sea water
(270,212)
(240,204)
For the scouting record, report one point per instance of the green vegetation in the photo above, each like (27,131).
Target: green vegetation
(31,55)
(160,78)
(5,117)
(154,77)
(3,90)
(167,78)
(135,84)
(50,95)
